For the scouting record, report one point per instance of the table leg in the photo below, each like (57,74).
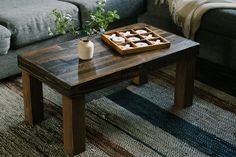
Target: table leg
(33,99)
(184,85)
(74,125)
(141,79)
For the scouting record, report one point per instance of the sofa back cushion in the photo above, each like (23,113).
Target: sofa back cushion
(28,20)
(125,8)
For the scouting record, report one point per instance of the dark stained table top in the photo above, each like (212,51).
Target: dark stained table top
(59,65)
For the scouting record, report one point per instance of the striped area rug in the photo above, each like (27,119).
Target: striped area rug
(125,120)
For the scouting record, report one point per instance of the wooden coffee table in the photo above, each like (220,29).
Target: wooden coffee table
(59,67)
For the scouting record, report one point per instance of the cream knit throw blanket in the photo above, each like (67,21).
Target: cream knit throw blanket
(187,14)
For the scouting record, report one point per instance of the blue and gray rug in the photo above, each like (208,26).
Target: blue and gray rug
(125,120)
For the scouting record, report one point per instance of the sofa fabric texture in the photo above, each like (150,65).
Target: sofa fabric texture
(28,20)
(220,21)
(217,33)
(26,24)
(125,8)
(5,36)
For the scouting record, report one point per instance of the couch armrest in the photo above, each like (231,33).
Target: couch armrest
(5,37)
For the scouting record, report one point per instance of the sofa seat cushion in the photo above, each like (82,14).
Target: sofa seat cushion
(28,20)
(125,8)
(220,21)
(5,36)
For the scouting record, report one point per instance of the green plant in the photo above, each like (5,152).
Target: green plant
(97,24)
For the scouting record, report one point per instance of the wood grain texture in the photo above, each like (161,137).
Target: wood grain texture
(33,99)
(60,68)
(74,125)
(142,78)
(185,71)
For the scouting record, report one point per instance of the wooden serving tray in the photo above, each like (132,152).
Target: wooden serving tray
(129,45)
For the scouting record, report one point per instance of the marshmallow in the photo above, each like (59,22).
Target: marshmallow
(141,31)
(141,44)
(134,38)
(118,39)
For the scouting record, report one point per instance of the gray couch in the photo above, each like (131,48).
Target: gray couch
(217,33)
(23,27)
(24,24)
